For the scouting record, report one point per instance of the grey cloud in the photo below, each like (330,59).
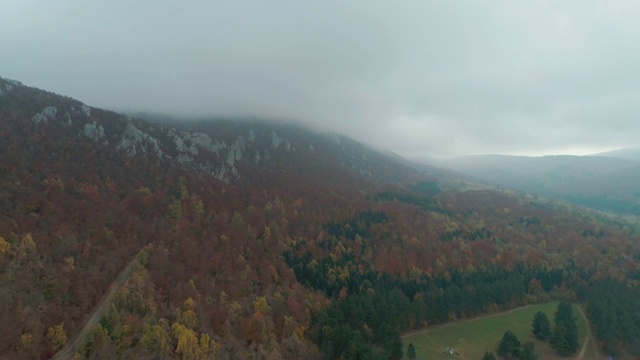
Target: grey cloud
(436,78)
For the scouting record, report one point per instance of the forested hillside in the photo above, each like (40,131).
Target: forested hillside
(606,183)
(260,240)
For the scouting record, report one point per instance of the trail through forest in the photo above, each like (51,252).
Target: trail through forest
(587,338)
(100,310)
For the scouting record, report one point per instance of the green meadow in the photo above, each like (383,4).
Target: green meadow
(469,339)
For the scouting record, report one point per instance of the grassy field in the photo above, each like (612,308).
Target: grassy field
(471,338)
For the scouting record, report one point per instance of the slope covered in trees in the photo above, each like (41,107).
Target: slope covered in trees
(613,309)
(257,240)
(607,183)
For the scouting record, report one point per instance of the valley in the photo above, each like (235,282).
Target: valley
(605,182)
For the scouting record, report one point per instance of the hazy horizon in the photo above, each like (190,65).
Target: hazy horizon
(421,78)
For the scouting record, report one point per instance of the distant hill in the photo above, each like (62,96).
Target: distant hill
(602,182)
(627,153)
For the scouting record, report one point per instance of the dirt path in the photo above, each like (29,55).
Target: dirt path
(100,310)
(588,337)
(464,321)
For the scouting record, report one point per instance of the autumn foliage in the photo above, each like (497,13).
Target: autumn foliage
(251,268)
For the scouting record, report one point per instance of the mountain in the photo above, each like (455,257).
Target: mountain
(626,153)
(604,183)
(126,238)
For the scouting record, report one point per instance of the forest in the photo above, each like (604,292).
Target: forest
(275,258)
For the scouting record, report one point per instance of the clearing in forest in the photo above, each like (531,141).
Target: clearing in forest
(469,339)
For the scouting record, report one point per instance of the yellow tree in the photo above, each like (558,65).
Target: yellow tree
(4,246)
(187,345)
(26,340)
(189,317)
(57,335)
(261,305)
(154,338)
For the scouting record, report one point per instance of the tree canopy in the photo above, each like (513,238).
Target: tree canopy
(541,326)
(564,339)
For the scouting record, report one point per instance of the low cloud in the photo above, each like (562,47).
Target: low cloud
(427,78)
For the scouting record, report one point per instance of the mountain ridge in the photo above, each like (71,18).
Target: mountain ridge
(217,151)
(631,153)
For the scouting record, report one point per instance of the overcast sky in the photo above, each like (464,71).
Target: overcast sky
(422,78)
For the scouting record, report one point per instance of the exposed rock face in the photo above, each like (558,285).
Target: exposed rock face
(67,122)
(93,131)
(276,141)
(48,113)
(134,138)
(231,158)
(191,141)
(8,85)
(85,110)
(193,149)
